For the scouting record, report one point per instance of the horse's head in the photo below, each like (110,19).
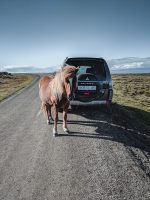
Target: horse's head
(68,73)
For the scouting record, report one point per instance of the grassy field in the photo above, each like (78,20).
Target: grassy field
(11,83)
(132,92)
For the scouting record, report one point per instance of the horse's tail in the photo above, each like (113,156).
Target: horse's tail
(43,109)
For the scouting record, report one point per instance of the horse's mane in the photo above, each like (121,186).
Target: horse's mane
(57,84)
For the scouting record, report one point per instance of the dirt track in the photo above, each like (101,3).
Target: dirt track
(98,159)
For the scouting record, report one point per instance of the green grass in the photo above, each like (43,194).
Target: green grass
(9,84)
(133,92)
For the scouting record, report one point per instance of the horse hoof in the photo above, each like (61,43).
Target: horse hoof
(48,122)
(66,130)
(54,133)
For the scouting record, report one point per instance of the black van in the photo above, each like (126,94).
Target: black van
(92,84)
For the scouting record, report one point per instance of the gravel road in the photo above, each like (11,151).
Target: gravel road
(97,160)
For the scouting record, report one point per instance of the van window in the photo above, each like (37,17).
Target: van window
(89,66)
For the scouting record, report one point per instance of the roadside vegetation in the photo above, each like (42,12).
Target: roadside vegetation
(9,83)
(132,98)
(132,90)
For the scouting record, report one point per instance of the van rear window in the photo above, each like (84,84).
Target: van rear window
(90,66)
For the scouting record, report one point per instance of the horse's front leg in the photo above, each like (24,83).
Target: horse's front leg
(55,121)
(65,120)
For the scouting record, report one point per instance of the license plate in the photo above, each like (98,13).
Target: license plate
(86,87)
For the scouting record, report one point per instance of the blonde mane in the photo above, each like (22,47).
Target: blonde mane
(57,84)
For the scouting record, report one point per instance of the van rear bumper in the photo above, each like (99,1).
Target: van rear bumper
(80,103)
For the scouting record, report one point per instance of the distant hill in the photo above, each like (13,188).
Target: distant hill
(130,65)
(28,69)
(122,65)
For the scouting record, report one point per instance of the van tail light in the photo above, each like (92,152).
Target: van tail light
(86,93)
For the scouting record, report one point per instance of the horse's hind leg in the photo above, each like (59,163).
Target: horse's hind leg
(48,113)
(43,108)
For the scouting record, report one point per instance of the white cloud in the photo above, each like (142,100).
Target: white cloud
(128,65)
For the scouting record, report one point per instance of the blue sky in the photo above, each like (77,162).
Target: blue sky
(43,32)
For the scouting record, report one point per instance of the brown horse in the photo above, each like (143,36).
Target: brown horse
(55,91)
